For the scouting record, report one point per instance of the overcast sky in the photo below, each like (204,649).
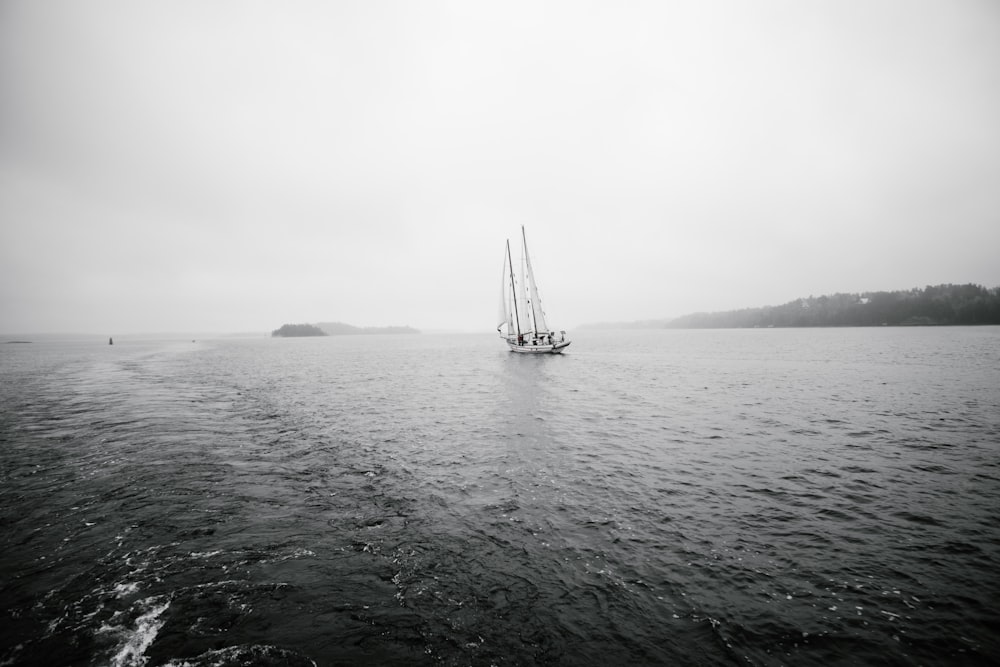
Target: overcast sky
(234,166)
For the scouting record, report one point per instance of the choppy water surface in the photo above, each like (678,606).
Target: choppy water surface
(766,497)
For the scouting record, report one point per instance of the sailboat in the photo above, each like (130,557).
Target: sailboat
(521,309)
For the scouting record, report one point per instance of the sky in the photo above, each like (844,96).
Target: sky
(232,166)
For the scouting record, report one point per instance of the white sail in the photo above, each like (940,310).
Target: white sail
(523,316)
(537,315)
(511,306)
(503,316)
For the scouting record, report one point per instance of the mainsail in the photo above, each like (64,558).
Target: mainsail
(503,316)
(537,316)
(512,307)
(521,311)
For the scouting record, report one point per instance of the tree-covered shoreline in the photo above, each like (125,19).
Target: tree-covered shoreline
(336,329)
(937,305)
(297,330)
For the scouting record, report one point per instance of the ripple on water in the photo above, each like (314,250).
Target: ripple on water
(709,498)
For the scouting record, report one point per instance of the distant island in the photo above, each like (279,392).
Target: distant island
(938,305)
(295,330)
(336,329)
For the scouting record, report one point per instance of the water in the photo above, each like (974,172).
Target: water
(758,497)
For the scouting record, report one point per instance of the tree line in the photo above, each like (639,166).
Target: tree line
(337,329)
(291,330)
(931,305)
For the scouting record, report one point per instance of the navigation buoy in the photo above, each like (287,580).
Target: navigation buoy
(110,341)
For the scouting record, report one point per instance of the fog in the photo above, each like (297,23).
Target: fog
(233,166)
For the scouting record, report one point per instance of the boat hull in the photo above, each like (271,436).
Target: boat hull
(557,348)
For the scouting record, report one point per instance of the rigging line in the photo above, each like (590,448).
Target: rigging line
(513,290)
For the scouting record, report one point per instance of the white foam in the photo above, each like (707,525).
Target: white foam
(248,654)
(121,590)
(131,653)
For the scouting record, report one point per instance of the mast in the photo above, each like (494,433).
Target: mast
(513,293)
